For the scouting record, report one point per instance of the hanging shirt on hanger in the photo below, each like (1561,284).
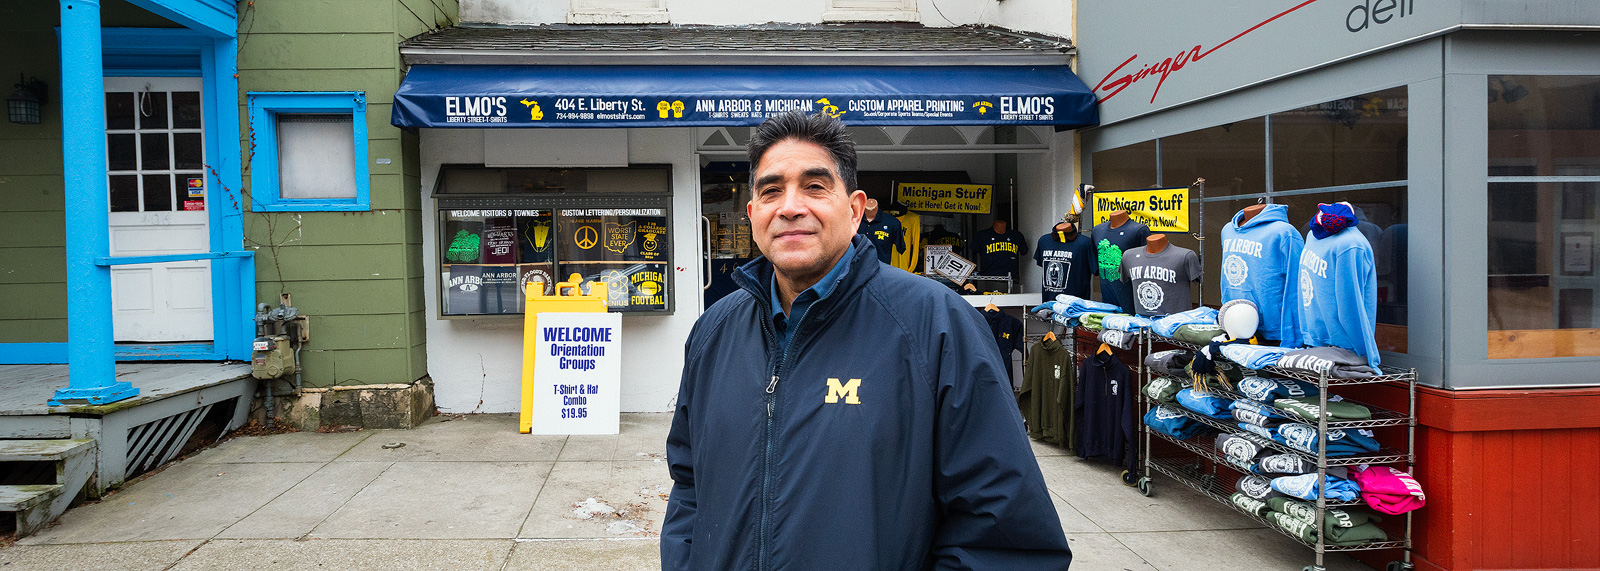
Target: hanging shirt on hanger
(998,253)
(885,233)
(1047,393)
(911,230)
(1007,336)
(1103,407)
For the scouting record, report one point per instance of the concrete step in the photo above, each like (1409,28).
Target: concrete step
(43,450)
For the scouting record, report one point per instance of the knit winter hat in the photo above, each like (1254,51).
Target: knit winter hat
(1332,218)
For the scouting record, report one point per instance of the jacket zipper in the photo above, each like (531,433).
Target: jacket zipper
(763,558)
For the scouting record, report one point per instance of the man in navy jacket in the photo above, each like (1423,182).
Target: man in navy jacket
(835,416)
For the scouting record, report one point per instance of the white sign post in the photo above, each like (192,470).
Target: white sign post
(577,373)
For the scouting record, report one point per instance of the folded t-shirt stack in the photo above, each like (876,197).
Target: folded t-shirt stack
(1091,320)
(1283,464)
(1163,390)
(1242,449)
(1250,505)
(1066,309)
(1268,389)
(1197,333)
(1306,408)
(1304,486)
(1169,362)
(1253,356)
(1334,361)
(1341,442)
(1253,412)
(1129,323)
(1388,490)
(1307,530)
(1167,326)
(1332,517)
(1209,405)
(1118,338)
(1173,422)
(1256,487)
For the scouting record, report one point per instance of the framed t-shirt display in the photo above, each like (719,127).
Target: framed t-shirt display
(492,247)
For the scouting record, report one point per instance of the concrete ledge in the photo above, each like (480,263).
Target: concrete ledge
(395,405)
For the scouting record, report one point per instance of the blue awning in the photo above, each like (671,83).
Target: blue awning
(680,96)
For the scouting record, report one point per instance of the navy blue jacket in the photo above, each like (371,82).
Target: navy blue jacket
(922,463)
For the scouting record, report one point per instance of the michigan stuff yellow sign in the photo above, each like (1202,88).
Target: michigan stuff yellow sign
(962,198)
(1162,209)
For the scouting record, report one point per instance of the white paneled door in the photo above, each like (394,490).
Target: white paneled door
(155,153)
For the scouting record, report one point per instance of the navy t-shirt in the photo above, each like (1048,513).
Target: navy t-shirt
(885,233)
(1067,265)
(1109,245)
(998,253)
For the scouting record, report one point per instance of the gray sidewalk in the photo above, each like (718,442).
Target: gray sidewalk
(468,492)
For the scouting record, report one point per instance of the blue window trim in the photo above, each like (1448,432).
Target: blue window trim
(264,107)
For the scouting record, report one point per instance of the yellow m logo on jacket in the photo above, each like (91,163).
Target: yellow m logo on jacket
(848,391)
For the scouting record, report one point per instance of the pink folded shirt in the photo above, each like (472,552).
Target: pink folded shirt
(1388,490)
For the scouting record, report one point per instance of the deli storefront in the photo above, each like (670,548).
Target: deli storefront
(1466,134)
(627,166)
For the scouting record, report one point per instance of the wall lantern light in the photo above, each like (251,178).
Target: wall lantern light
(23,106)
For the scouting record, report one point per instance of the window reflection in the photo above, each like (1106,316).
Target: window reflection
(1541,256)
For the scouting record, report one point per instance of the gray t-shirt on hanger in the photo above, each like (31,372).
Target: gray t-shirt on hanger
(1161,281)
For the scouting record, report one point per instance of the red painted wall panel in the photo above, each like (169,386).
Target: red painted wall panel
(1512,477)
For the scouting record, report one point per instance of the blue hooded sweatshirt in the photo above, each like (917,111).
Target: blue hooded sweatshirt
(1339,294)
(1258,264)
(883,435)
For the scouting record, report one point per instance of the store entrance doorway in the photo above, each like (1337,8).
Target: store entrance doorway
(155,147)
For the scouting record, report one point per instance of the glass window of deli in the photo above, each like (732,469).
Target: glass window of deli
(502,229)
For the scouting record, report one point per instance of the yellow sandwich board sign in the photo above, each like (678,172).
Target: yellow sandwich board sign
(575,349)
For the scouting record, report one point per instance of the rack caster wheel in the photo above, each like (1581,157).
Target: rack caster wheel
(1398,566)
(1129,478)
(1144,487)
(1313,568)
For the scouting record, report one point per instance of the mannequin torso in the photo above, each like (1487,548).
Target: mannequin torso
(1155,243)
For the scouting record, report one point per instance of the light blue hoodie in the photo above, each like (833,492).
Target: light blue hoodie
(1339,294)
(1259,263)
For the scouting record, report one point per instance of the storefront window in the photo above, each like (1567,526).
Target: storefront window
(1346,150)
(541,226)
(1355,140)
(1544,175)
(1125,168)
(1232,158)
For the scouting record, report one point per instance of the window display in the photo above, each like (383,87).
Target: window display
(490,249)
(1543,180)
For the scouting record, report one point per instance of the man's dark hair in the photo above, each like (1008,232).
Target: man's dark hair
(827,132)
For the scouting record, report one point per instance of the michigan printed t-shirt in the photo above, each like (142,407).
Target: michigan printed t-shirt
(998,253)
(1161,281)
(885,233)
(1067,264)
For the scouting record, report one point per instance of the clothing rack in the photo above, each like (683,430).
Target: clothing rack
(1200,470)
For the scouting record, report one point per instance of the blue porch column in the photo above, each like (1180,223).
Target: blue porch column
(91,350)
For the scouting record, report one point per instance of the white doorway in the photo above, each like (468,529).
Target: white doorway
(155,151)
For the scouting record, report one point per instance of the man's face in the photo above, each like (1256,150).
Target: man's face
(801,214)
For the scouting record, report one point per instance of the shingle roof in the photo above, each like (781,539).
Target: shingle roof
(713,41)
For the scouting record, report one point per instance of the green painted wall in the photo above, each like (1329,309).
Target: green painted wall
(33,270)
(358,275)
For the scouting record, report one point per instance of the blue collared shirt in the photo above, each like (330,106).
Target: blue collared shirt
(802,302)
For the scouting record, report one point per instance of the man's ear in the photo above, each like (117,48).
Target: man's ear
(858,205)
